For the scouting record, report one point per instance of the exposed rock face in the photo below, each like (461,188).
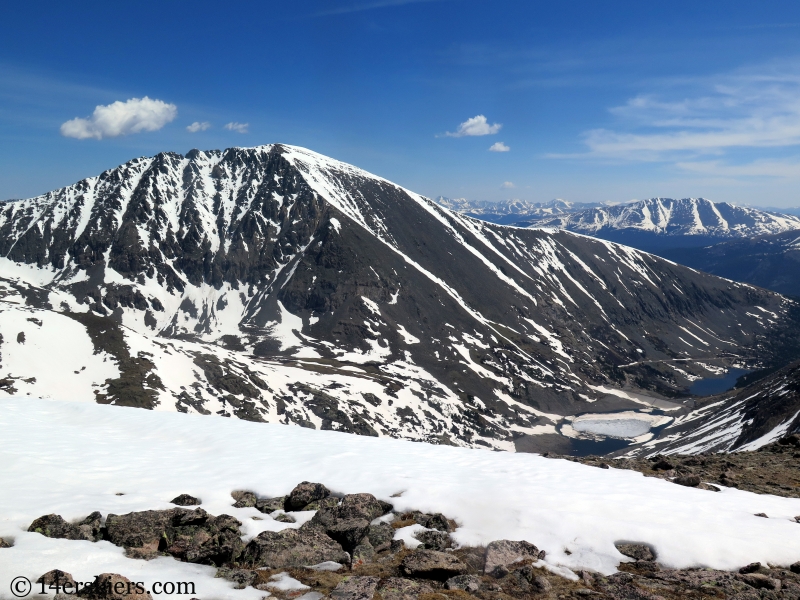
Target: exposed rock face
(236,263)
(189,535)
(54,526)
(292,548)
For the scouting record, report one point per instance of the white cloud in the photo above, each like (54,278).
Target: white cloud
(757,168)
(477,125)
(237,127)
(198,126)
(499,147)
(507,185)
(121,118)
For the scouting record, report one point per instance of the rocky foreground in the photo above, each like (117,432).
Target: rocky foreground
(356,547)
(772,469)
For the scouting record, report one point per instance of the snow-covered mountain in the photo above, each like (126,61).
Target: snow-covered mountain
(695,220)
(508,212)
(275,284)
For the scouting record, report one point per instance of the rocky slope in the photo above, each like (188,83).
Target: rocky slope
(768,261)
(275,284)
(664,222)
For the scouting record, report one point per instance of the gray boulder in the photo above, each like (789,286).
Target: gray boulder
(637,551)
(244,499)
(431,564)
(292,548)
(380,536)
(355,588)
(54,526)
(112,586)
(268,505)
(304,494)
(434,540)
(349,522)
(398,588)
(185,500)
(468,583)
(502,553)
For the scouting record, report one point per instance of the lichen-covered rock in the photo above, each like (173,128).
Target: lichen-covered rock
(292,548)
(349,522)
(637,551)
(468,583)
(188,535)
(304,494)
(112,586)
(244,499)
(502,553)
(363,553)
(185,500)
(432,565)
(380,536)
(398,588)
(434,540)
(54,526)
(355,588)
(269,505)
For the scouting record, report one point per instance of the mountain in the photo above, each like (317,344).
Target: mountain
(769,261)
(275,284)
(509,212)
(660,223)
(744,419)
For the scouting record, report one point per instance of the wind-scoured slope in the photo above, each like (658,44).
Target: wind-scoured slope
(662,222)
(276,284)
(746,419)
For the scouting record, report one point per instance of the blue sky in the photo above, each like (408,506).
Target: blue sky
(586,100)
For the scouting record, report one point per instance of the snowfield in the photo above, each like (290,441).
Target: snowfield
(73,458)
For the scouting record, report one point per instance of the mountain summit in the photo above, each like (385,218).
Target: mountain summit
(276,284)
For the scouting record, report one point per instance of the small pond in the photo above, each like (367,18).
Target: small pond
(716,385)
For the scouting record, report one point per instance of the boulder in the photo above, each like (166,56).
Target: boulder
(502,553)
(431,564)
(760,581)
(304,494)
(268,505)
(380,536)
(241,577)
(349,522)
(363,553)
(111,586)
(435,521)
(244,499)
(468,583)
(687,480)
(637,551)
(4,543)
(56,580)
(795,567)
(751,568)
(188,535)
(54,526)
(355,588)
(186,500)
(532,576)
(292,548)
(398,588)
(434,540)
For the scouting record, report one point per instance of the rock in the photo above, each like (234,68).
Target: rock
(687,480)
(304,494)
(111,586)
(751,568)
(4,543)
(56,580)
(349,522)
(241,577)
(380,536)
(188,535)
(397,588)
(763,515)
(292,548)
(186,500)
(468,583)
(506,552)
(435,521)
(355,588)
(270,505)
(636,551)
(663,465)
(797,518)
(363,553)
(759,581)
(324,503)
(790,440)
(244,499)
(282,517)
(434,540)
(795,567)
(539,583)
(432,564)
(54,526)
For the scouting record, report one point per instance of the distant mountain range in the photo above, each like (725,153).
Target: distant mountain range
(278,285)
(509,212)
(651,225)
